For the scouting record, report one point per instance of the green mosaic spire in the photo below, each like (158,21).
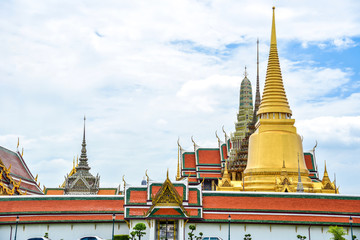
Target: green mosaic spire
(245,114)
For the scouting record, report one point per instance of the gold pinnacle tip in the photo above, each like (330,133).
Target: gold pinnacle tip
(273,8)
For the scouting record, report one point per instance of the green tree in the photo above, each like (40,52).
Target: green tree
(139,230)
(337,232)
(247,237)
(192,235)
(301,237)
(132,235)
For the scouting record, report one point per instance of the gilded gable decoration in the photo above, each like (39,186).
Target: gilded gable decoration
(167,196)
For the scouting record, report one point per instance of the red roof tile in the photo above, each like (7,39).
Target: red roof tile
(210,175)
(224,151)
(309,162)
(138,197)
(58,204)
(189,160)
(208,156)
(282,203)
(166,211)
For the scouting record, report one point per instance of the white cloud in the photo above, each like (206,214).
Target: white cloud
(205,95)
(332,130)
(343,43)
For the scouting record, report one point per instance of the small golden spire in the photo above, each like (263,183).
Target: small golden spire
(167,174)
(325,171)
(226,173)
(22,152)
(178,165)
(36,178)
(17,146)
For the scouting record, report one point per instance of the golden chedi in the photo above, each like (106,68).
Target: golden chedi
(276,158)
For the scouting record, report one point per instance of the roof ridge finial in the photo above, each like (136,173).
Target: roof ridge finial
(178,177)
(83,156)
(257,94)
(245,73)
(84,129)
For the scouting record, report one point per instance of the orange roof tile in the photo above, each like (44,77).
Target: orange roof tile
(283,203)
(208,156)
(137,197)
(210,175)
(60,204)
(109,191)
(137,211)
(166,211)
(224,151)
(189,160)
(194,197)
(54,191)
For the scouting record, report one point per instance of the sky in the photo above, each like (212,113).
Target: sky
(147,73)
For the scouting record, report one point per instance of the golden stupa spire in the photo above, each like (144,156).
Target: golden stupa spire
(326,175)
(226,173)
(274,99)
(325,171)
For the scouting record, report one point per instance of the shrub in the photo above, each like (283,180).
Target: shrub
(139,230)
(192,236)
(121,237)
(337,232)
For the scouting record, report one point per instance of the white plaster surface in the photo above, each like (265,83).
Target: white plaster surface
(65,231)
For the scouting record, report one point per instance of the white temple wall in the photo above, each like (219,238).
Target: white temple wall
(264,231)
(64,231)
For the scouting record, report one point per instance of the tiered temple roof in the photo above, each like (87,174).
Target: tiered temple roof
(15,174)
(180,200)
(203,164)
(82,181)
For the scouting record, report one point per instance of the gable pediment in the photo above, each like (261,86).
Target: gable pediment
(167,197)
